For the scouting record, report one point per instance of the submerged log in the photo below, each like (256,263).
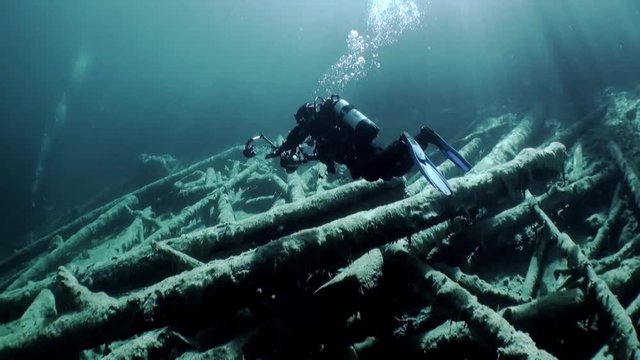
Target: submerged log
(219,281)
(70,248)
(508,147)
(618,257)
(447,334)
(627,170)
(552,306)
(40,313)
(569,135)
(514,219)
(624,341)
(530,284)
(483,322)
(127,269)
(485,292)
(191,212)
(259,229)
(615,210)
(295,190)
(144,194)
(149,345)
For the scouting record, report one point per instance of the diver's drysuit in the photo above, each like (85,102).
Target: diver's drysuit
(342,134)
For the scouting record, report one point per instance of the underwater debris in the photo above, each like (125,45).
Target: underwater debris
(624,341)
(69,249)
(629,173)
(228,258)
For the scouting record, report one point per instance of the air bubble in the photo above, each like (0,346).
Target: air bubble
(387,21)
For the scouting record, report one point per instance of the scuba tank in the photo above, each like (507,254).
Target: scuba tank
(364,129)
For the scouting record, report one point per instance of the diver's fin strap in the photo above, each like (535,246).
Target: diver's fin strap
(426,167)
(448,150)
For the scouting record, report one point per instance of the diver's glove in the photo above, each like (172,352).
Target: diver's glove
(426,166)
(452,154)
(274,153)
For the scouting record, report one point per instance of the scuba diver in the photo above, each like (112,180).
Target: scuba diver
(339,133)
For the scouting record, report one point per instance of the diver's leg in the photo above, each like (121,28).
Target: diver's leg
(359,162)
(394,161)
(372,162)
(427,136)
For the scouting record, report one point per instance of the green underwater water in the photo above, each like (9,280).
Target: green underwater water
(190,78)
(241,259)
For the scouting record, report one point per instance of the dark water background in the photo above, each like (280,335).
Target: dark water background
(191,78)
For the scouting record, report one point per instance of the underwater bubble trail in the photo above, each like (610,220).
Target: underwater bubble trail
(386,21)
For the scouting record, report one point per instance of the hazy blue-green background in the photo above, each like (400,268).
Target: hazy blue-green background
(191,78)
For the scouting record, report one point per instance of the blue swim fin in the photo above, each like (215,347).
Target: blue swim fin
(448,150)
(454,156)
(426,167)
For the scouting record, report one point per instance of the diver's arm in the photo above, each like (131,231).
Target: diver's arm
(296,136)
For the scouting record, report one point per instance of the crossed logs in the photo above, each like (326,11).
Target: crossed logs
(230,258)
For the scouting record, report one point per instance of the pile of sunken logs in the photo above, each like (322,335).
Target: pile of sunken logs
(535,256)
